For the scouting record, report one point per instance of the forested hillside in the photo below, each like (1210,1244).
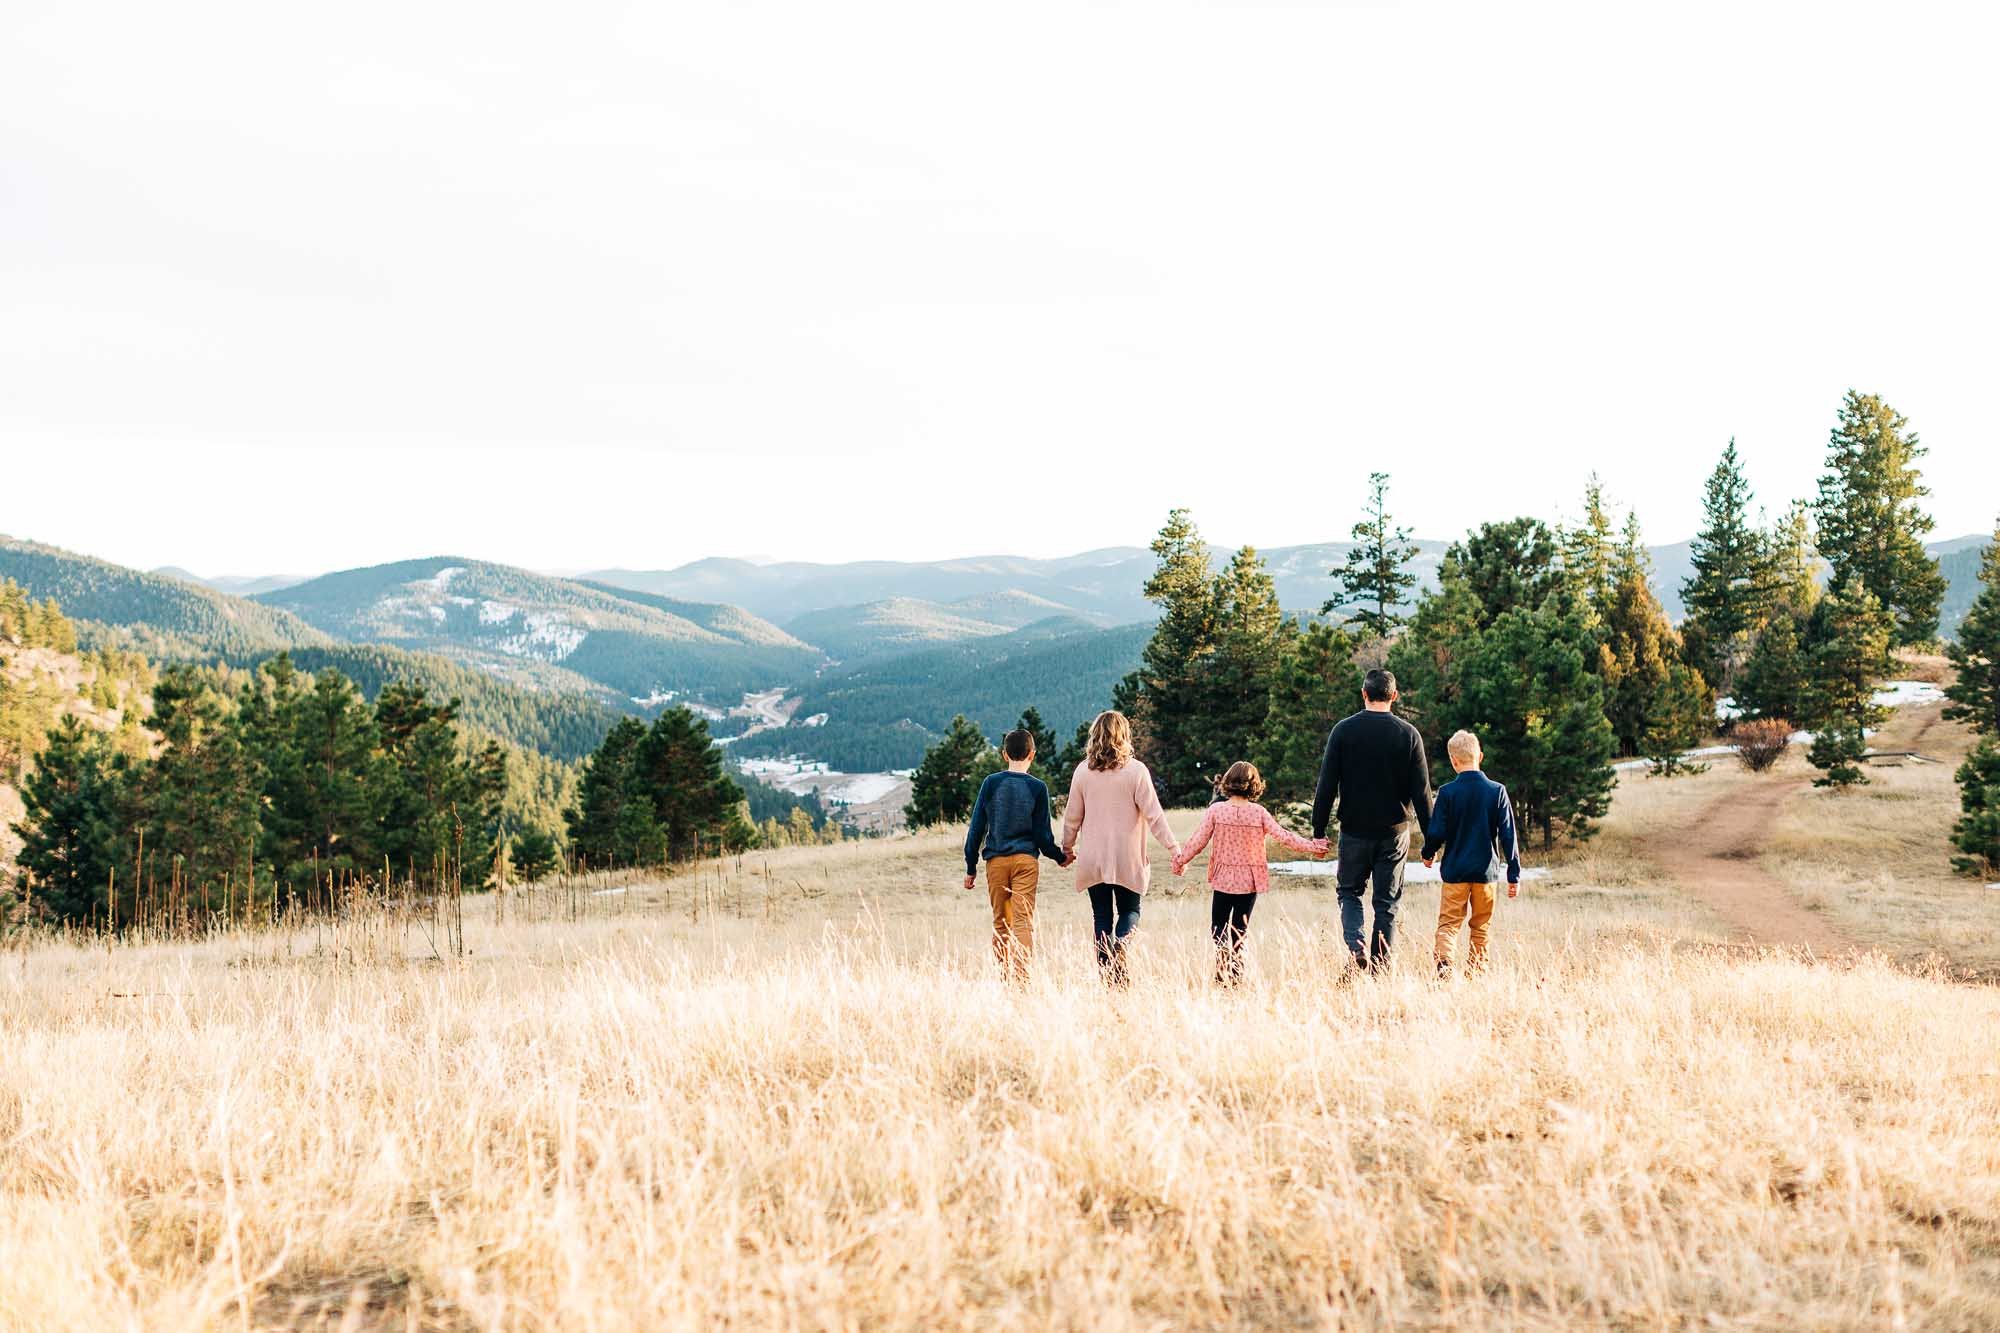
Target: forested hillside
(90,589)
(883,715)
(517,624)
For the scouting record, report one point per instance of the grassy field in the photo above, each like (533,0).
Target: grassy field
(791,1092)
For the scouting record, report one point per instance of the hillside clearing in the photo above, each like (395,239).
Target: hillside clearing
(789,1091)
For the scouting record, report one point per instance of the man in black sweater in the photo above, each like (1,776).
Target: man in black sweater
(1374,767)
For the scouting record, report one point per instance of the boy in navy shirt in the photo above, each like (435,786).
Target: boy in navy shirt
(1011,817)
(1470,820)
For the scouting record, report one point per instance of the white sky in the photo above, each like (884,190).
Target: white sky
(287,288)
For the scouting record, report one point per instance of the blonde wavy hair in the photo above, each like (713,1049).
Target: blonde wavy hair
(1110,742)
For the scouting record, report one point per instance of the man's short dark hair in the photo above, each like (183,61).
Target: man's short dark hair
(1019,744)
(1379,686)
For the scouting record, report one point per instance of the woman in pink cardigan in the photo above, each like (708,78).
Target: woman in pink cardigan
(1111,805)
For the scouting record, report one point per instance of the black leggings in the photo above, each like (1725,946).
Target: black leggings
(1229,922)
(1114,914)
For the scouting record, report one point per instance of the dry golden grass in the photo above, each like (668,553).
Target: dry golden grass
(795,1094)
(1877,859)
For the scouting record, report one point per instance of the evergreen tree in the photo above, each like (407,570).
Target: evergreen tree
(1657,704)
(1430,659)
(1849,640)
(1314,686)
(1975,695)
(1538,710)
(1977,832)
(1047,750)
(1168,696)
(1792,563)
(1376,579)
(1726,595)
(945,783)
(612,823)
(1513,565)
(1772,683)
(694,799)
(442,818)
(1066,763)
(1871,520)
(535,855)
(1234,679)
(72,831)
(324,805)
(201,796)
(1589,553)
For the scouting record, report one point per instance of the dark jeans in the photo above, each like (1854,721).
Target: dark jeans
(1114,914)
(1362,860)
(1229,922)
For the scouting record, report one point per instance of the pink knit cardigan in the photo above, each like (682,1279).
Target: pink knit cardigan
(1106,822)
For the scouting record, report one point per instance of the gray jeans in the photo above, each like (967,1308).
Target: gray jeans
(1362,860)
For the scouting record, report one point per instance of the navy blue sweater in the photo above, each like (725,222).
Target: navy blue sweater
(1011,817)
(1470,819)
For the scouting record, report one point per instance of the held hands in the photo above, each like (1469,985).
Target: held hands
(1428,860)
(1513,888)
(1322,848)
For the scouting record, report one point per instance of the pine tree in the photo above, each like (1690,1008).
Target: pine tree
(694,798)
(1589,554)
(1792,563)
(535,855)
(1538,709)
(1045,739)
(201,795)
(1430,659)
(1849,640)
(1977,832)
(612,823)
(72,830)
(1657,704)
(1167,697)
(1234,680)
(946,782)
(1975,695)
(1047,750)
(1772,683)
(1515,564)
(1314,686)
(1376,579)
(1725,596)
(1871,520)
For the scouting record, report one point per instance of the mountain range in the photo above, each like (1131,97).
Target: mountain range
(549,661)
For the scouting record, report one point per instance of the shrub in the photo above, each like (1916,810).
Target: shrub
(1761,743)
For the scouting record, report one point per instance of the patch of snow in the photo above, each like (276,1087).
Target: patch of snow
(496,613)
(1907,694)
(441,580)
(655,699)
(761,768)
(436,612)
(816,720)
(547,636)
(456,600)
(863,789)
(1416,872)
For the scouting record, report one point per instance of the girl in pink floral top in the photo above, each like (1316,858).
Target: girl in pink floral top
(1236,828)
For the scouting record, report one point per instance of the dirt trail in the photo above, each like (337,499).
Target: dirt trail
(1714,857)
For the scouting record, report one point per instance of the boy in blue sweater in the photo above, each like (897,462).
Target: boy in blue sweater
(1470,820)
(1011,817)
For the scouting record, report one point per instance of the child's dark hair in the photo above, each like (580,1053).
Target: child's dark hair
(1019,744)
(1243,780)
